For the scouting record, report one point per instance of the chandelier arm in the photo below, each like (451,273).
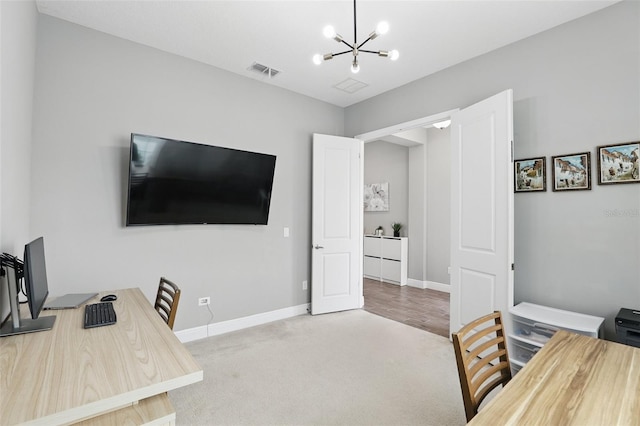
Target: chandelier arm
(350,46)
(342,53)
(368,51)
(363,43)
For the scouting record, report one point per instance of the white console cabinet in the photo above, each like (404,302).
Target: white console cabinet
(385,258)
(533,325)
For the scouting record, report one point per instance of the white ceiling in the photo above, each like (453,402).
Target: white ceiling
(430,35)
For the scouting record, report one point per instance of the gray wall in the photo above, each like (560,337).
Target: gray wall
(387,162)
(18,26)
(575,87)
(92,90)
(416,217)
(438,208)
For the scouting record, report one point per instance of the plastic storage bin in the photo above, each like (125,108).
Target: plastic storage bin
(533,325)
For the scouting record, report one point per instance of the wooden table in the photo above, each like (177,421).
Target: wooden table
(69,374)
(573,380)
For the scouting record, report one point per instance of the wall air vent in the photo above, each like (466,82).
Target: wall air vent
(350,85)
(263,70)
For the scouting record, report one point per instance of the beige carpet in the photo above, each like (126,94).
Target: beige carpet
(347,368)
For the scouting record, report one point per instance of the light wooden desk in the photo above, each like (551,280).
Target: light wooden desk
(70,374)
(573,380)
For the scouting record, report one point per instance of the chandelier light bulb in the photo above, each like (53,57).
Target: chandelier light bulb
(355,67)
(317,59)
(382,28)
(329,31)
(394,55)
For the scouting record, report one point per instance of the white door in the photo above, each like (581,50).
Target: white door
(336,234)
(482,209)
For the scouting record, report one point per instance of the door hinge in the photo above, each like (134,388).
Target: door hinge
(513,267)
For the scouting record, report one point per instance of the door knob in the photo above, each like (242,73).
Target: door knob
(317,247)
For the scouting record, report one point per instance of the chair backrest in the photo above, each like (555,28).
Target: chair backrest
(167,301)
(482,358)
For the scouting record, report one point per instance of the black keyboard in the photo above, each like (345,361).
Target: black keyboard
(99,314)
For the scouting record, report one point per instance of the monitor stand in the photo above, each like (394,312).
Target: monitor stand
(19,325)
(27,326)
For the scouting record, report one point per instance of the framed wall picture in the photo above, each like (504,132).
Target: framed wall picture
(530,175)
(618,163)
(571,172)
(376,197)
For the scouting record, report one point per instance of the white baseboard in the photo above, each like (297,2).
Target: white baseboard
(446,288)
(217,328)
(416,283)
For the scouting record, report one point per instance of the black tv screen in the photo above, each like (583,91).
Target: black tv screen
(175,182)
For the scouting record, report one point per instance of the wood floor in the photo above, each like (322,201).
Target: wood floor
(421,308)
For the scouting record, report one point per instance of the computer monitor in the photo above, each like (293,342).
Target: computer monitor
(35,276)
(37,290)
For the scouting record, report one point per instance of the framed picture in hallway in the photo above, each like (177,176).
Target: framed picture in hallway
(618,163)
(530,175)
(571,172)
(376,197)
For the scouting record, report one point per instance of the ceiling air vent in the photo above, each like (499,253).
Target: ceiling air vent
(350,85)
(263,70)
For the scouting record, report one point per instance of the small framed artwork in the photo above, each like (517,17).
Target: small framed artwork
(530,175)
(376,197)
(571,172)
(618,163)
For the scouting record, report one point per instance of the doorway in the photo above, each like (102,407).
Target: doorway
(419,200)
(481,245)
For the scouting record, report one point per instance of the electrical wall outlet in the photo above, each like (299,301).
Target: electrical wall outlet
(304,284)
(204,301)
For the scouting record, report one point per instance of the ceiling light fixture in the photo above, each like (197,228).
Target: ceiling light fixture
(442,124)
(355,48)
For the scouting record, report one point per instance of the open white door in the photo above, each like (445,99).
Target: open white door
(482,210)
(336,235)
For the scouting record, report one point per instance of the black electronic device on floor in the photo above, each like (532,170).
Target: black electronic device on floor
(628,327)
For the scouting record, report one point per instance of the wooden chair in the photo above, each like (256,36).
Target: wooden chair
(482,358)
(167,301)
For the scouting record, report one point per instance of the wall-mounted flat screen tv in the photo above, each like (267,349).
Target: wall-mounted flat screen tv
(175,182)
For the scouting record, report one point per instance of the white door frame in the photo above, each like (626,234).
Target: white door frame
(407,125)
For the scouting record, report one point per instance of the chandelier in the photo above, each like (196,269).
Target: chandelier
(355,48)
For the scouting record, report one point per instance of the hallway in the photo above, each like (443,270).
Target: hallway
(421,308)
